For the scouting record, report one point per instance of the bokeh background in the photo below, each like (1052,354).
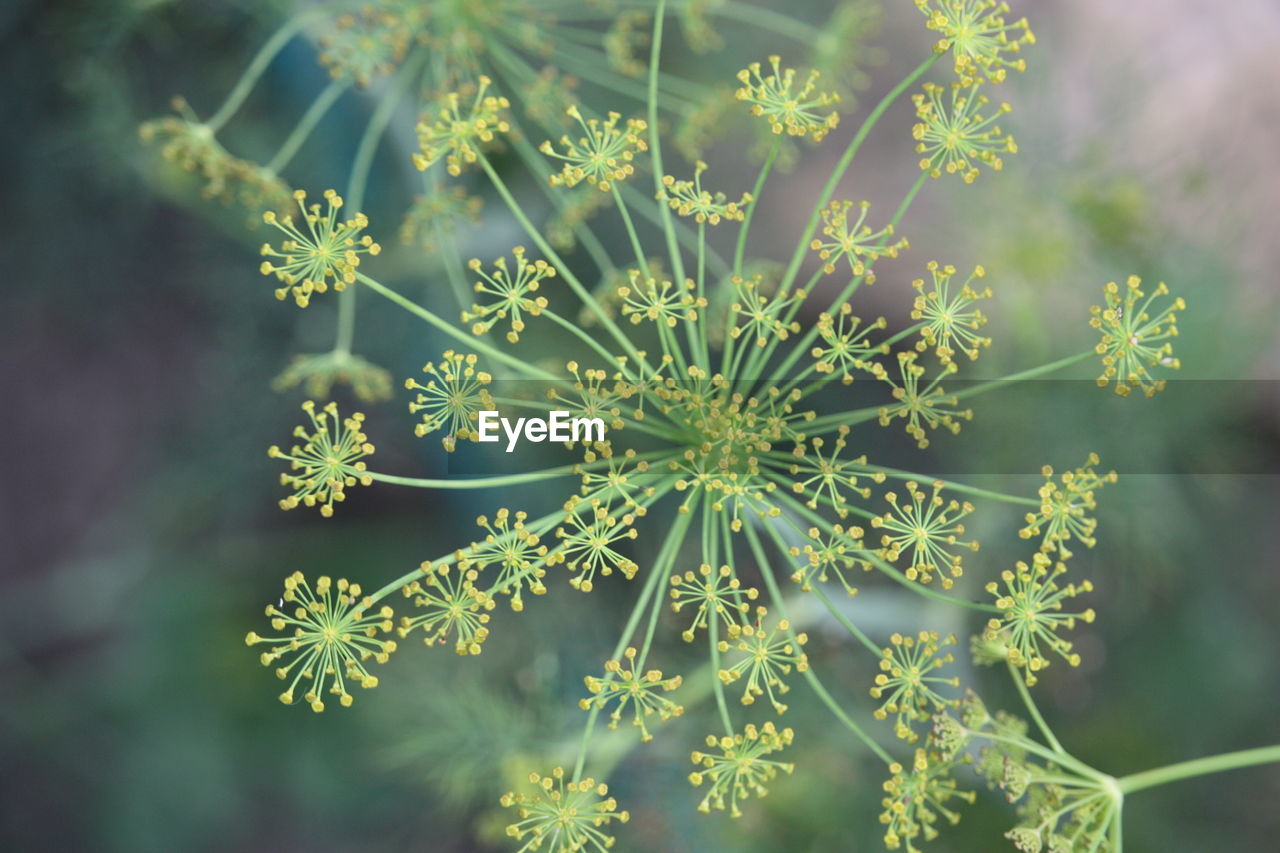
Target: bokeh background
(139,536)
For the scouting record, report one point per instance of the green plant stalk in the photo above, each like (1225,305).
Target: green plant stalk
(662,566)
(359,178)
(1198,767)
(766,572)
(554,257)
(1021,684)
(454,332)
(843,164)
(307,123)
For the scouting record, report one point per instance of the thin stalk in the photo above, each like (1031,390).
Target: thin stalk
(454,332)
(307,123)
(756,192)
(1021,683)
(554,258)
(1198,767)
(253,72)
(771,583)
(669,546)
(843,164)
(1030,373)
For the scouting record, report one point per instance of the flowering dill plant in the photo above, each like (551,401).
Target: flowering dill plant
(726,432)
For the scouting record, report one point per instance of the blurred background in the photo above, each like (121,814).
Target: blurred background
(139,536)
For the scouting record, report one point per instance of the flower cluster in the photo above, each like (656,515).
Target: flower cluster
(512,289)
(625,684)
(1031,602)
(563,814)
(329,459)
(328,636)
(790,108)
(327,251)
(982,42)
(1136,338)
(1065,507)
(949,321)
(688,198)
(907,684)
(854,241)
(460,128)
(602,156)
(739,766)
(954,137)
(766,656)
(452,398)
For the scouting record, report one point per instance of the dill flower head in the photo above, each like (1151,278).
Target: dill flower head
(838,553)
(602,156)
(625,684)
(647,298)
(688,198)
(906,681)
(951,323)
(927,530)
(563,815)
(1065,507)
(317,373)
(766,655)
(922,403)
(829,479)
(1032,615)
(739,767)
(516,551)
(452,608)
(625,41)
(848,350)
(589,539)
(954,137)
(328,459)
(452,398)
(915,798)
(327,250)
(711,594)
(788,107)
(192,146)
(851,239)
(1136,338)
(327,636)
(976,32)
(462,126)
(371,41)
(512,289)
(433,217)
(763,317)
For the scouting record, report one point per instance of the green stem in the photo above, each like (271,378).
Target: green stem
(1199,767)
(655,145)
(454,332)
(713,636)
(269,50)
(561,267)
(1021,682)
(666,554)
(955,487)
(843,164)
(359,178)
(642,265)
(307,123)
(756,192)
(771,583)
(1030,373)
(476,482)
